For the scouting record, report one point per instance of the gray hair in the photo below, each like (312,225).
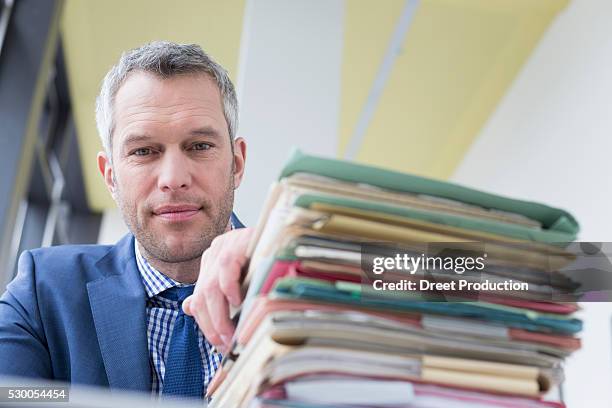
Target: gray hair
(164,59)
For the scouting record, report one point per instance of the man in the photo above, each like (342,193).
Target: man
(121,315)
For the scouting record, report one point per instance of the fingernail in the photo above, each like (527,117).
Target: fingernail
(227,340)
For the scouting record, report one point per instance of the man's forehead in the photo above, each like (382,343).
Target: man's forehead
(146,100)
(145,84)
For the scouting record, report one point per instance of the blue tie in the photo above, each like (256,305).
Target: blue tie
(183,377)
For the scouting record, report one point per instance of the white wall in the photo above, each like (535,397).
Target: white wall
(289,88)
(550,140)
(112,227)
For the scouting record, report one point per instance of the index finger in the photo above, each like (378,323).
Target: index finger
(231,262)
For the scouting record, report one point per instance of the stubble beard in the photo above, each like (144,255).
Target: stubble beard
(154,243)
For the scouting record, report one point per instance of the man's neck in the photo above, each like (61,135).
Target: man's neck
(183,272)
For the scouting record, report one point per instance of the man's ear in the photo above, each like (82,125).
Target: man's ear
(239,160)
(106,170)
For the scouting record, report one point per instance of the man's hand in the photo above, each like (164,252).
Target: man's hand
(218,286)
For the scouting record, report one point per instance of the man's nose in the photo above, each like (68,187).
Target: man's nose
(174,173)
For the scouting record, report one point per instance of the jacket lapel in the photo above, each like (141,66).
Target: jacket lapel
(236,222)
(118,306)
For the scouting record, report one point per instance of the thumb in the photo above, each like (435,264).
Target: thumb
(187,306)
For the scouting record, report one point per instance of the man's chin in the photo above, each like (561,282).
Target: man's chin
(175,254)
(184,247)
(172,247)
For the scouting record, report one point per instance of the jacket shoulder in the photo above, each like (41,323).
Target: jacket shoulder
(59,252)
(65,261)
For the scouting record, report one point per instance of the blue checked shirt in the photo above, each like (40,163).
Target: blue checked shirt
(161,315)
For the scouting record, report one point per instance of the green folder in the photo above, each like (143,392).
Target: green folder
(359,295)
(557,225)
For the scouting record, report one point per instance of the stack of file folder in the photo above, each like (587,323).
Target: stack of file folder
(314,331)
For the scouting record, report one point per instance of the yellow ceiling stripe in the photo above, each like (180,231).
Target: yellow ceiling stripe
(458,59)
(367,31)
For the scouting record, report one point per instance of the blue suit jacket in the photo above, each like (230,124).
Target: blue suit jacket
(76,313)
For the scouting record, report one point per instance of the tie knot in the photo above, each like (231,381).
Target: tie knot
(178,293)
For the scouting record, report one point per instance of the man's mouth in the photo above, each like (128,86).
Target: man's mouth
(177,212)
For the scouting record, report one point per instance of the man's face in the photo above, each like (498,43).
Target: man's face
(174,173)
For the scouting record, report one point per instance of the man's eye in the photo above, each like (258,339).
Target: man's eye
(143,151)
(201,146)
